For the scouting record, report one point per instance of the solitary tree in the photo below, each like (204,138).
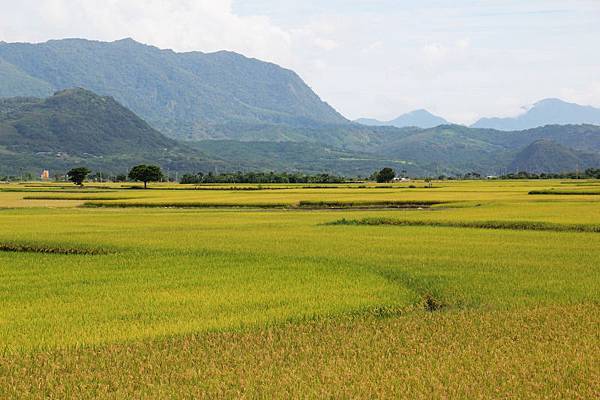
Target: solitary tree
(385,175)
(146,173)
(78,175)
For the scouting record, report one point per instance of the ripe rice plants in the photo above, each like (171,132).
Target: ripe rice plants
(145,301)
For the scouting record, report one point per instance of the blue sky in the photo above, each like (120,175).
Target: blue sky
(461,59)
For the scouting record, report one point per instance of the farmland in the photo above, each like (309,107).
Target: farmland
(468,289)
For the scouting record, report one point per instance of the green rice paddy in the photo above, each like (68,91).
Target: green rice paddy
(465,290)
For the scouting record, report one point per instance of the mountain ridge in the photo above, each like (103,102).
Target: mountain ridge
(184,95)
(418,118)
(550,111)
(547,156)
(76,126)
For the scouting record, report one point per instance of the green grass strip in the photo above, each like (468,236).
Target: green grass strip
(361,204)
(49,190)
(81,198)
(94,204)
(300,205)
(45,249)
(510,225)
(565,192)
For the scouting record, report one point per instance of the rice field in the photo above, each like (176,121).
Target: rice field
(464,290)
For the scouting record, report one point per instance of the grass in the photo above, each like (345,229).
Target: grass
(98,204)
(78,198)
(566,192)
(45,249)
(366,204)
(268,303)
(514,225)
(306,204)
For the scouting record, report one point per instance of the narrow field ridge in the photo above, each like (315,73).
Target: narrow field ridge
(510,225)
(53,190)
(314,205)
(97,204)
(40,248)
(207,188)
(361,204)
(565,192)
(75,198)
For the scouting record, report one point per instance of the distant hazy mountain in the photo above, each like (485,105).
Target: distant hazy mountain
(548,156)
(184,95)
(76,126)
(419,118)
(453,149)
(545,112)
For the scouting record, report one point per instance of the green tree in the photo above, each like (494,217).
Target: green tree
(385,175)
(146,173)
(78,175)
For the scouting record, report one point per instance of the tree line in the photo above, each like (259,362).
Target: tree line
(590,173)
(153,173)
(140,173)
(260,177)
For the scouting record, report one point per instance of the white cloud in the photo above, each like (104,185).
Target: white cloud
(326,44)
(434,53)
(183,25)
(463,43)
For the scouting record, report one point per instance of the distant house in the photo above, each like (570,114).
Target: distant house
(45,175)
(401,179)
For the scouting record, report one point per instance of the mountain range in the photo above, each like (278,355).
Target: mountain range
(417,118)
(109,105)
(184,95)
(544,112)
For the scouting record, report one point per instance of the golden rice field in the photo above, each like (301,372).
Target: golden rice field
(468,289)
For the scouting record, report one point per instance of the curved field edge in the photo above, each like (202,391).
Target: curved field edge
(542,352)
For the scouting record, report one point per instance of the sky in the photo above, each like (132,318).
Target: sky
(460,59)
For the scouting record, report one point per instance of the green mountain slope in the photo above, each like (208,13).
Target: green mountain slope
(548,156)
(77,126)
(184,95)
(14,82)
(304,157)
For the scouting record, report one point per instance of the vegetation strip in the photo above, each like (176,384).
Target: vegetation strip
(94,204)
(565,192)
(52,190)
(304,204)
(360,204)
(35,248)
(80,198)
(511,225)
